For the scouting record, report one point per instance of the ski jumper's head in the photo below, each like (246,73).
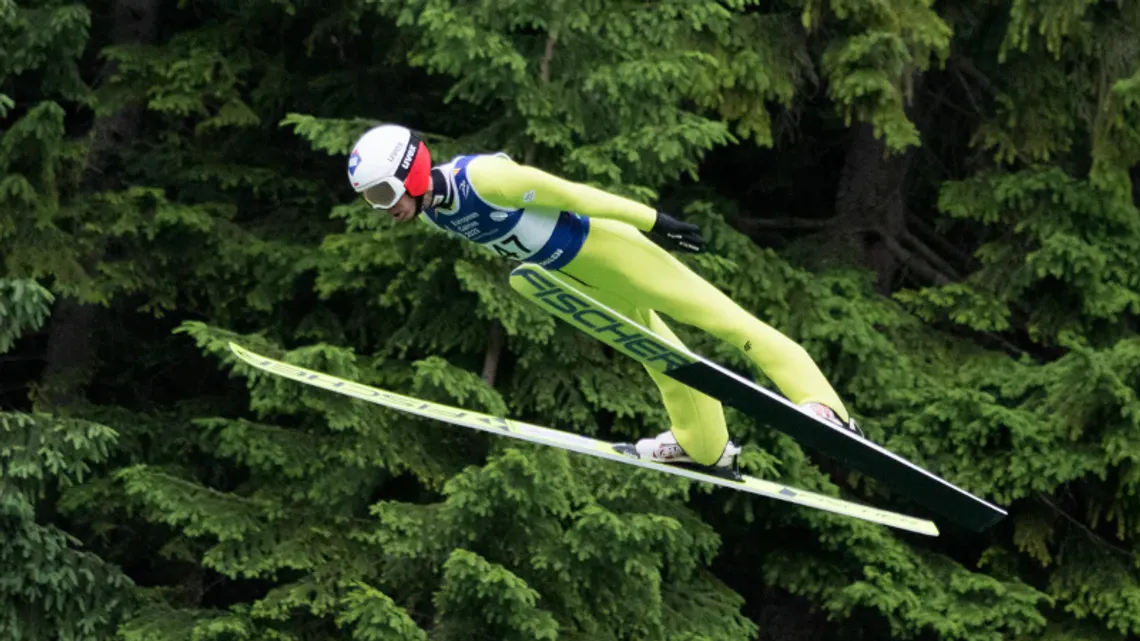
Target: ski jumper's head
(391,167)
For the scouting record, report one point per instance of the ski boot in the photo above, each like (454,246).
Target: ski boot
(664,448)
(821,411)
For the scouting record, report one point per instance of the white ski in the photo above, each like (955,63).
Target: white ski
(575,443)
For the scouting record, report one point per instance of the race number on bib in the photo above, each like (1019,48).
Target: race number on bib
(529,234)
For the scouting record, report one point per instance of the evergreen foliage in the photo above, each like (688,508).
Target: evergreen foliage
(167,189)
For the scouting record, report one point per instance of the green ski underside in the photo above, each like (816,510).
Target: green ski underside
(575,443)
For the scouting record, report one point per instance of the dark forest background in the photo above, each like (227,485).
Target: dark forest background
(937,201)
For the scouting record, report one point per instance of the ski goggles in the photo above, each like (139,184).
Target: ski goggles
(385,194)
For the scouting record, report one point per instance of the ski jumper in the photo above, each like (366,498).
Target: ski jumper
(592,236)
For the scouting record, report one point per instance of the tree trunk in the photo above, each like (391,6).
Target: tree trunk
(496,339)
(71,353)
(872,215)
(871,206)
(133,22)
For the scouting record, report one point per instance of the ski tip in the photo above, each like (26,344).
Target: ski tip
(243,353)
(928,528)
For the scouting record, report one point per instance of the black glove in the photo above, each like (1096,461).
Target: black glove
(673,234)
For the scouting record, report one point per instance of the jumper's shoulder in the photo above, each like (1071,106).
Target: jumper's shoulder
(496,177)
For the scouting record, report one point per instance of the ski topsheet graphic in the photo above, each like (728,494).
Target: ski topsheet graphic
(557,296)
(575,443)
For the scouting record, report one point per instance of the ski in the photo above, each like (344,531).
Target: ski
(575,443)
(559,297)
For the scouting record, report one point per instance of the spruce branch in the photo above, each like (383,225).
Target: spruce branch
(928,253)
(929,233)
(915,262)
(1096,538)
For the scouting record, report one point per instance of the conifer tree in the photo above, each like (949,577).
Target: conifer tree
(52,588)
(936,201)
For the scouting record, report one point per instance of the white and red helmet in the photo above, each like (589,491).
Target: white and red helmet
(388,161)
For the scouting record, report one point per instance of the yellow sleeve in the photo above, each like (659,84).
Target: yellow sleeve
(505,183)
